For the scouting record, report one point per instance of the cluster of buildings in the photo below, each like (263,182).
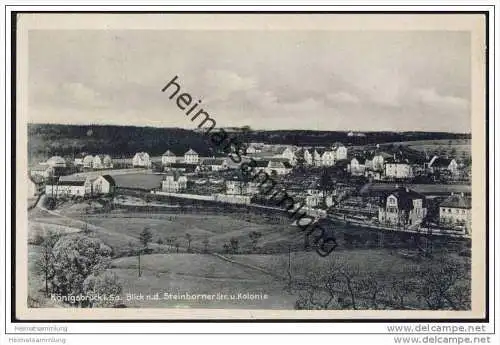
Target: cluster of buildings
(379,165)
(80,186)
(405,209)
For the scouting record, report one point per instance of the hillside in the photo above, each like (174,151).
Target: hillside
(46,140)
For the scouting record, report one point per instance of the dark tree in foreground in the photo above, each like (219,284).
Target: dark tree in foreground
(75,258)
(45,262)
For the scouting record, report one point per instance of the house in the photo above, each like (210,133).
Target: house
(42,170)
(102,162)
(303,156)
(168,158)
(88,160)
(56,161)
(397,169)
(104,184)
(272,167)
(402,207)
(316,156)
(181,167)
(79,159)
(174,182)
(340,151)
(439,164)
(356,166)
(213,164)
(191,157)
(141,159)
(68,186)
(378,160)
(287,153)
(328,158)
(456,211)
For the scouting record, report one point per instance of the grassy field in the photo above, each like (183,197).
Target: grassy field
(427,189)
(166,271)
(460,146)
(145,181)
(218,229)
(198,274)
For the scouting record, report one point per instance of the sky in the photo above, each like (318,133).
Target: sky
(319,80)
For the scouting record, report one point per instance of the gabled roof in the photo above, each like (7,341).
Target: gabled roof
(191,152)
(441,162)
(169,153)
(110,179)
(457,201)
(405,197)
(320,150)
(142,154)
(71,183)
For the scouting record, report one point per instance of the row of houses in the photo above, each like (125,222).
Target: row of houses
(381,164)
(312,156)
(98,161)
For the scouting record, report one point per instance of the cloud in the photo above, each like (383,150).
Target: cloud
(343,97)
(221,84)
(80,93)
(432,98)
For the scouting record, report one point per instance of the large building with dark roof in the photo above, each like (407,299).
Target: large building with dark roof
(402,207)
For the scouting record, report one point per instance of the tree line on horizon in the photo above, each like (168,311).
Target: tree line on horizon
(124,141)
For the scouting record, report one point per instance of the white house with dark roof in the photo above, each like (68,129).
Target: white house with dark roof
(439,164)
(103,185)
(191,156)
(403,207)
(397,168)
(141,159)
(168,158)
(456,210)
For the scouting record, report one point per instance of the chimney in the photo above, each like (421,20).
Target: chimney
(407,190)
